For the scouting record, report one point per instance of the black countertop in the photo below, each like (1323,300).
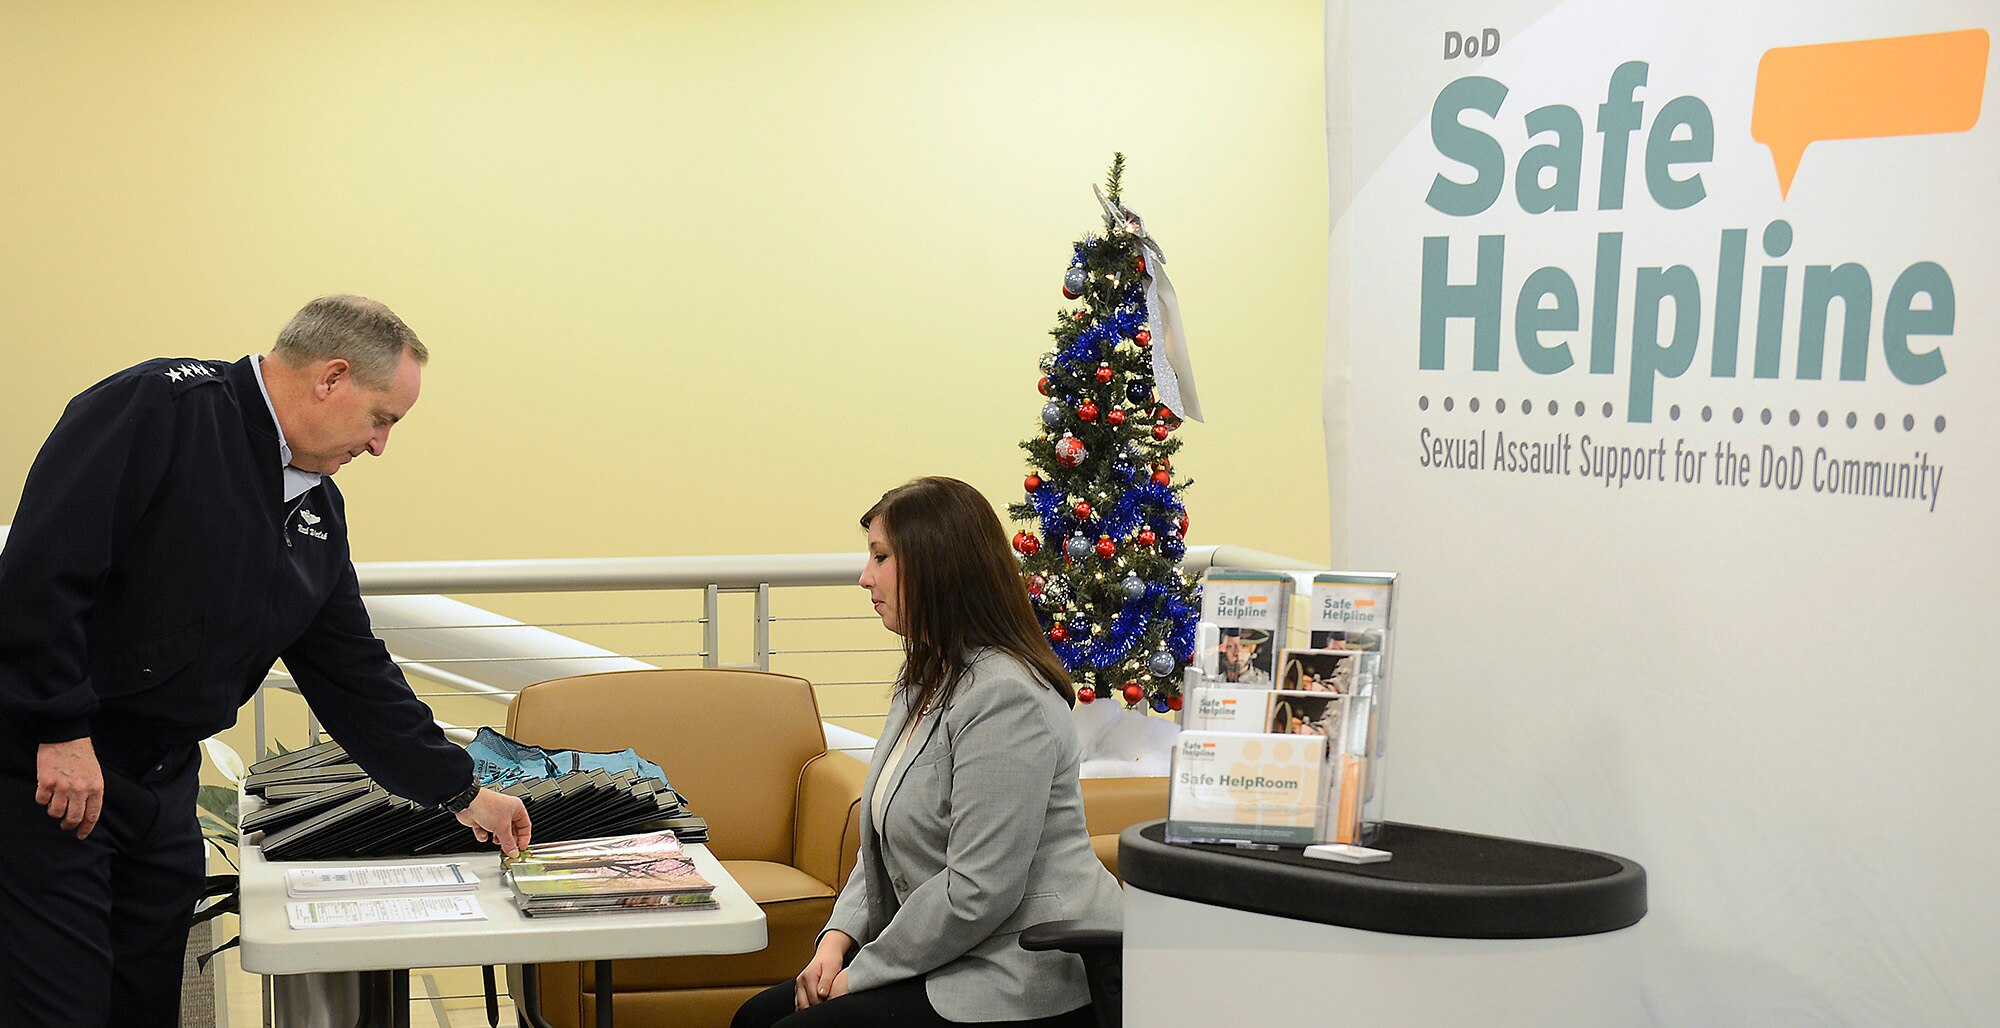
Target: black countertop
(1439,883)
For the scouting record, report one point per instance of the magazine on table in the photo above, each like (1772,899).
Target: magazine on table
(646,871)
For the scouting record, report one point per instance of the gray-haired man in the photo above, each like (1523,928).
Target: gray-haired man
(178,533)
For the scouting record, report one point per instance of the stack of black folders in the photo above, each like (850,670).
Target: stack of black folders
(319,806)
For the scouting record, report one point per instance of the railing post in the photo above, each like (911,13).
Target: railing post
(257,717)
(711,641)
(764,626)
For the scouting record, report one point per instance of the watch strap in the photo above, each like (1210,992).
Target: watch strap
(458,803)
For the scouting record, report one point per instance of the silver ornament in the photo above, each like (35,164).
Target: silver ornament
(1078,547)
(1134,587)
(1161,664)
(1052,414)
(1076,280)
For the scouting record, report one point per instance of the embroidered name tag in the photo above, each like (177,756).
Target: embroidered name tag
(307,519)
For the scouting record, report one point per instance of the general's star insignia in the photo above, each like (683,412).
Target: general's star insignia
(174,374)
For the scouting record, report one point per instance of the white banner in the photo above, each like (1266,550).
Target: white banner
(1663,363)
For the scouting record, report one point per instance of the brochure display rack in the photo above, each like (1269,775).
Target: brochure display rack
(1282,744)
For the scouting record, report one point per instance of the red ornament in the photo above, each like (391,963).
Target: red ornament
(1160,431)
(1106,548)
(1184,526)
(1162,478)
(1143,337)
(1058,633)
(1067,295)
(1173,703)
(1032,483)
(1165,414)
(1081,316)
(1104,374)
(1115,418)
(1087,410)
(1069,451)
(1142,264)
(1035,585)
(1086,695)
(1043,386)
(1133,694)
(1146,537)
(1082,510)
(1027,543)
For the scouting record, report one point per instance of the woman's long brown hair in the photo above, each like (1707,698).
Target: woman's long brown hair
(959,589)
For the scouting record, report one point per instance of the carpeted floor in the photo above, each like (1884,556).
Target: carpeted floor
(197,987)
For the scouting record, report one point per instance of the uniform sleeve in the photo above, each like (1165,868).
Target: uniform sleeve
(361,697)
(1004,759)
(94,478)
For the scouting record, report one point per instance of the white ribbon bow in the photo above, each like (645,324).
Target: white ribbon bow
(1173,376)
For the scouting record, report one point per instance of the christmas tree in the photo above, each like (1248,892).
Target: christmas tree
(1103,561)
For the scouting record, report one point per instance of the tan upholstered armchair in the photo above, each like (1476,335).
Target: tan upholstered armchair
(1111,805)
(747,750)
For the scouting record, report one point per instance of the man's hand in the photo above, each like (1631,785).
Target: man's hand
(497,817)
(815,984)
(70,783)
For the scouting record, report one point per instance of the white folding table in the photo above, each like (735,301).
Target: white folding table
(386,952)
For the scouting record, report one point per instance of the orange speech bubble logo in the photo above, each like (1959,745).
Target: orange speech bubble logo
(1900,86)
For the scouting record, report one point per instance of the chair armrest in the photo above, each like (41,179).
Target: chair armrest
(1071,937)
(826,838)
(1110,805)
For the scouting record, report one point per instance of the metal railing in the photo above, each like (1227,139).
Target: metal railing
(452,649)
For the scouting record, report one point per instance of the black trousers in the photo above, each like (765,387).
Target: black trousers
(902,1005)
(93,932)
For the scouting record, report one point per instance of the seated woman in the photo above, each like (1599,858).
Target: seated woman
(973,824)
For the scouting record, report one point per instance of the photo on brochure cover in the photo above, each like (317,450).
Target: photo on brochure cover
(1307,714)
(1319,670)
(1247,657)
(1348,639)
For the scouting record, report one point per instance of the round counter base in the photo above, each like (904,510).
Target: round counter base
(1193,963)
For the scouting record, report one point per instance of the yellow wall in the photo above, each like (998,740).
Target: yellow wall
(698,278)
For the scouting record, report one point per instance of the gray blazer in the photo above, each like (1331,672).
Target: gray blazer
(983,835)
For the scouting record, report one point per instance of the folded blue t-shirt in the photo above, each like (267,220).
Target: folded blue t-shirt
(498,760)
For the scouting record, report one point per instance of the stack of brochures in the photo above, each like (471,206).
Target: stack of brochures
(614,874)
(320,806)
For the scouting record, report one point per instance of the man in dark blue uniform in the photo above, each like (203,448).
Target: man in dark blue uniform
(178,533)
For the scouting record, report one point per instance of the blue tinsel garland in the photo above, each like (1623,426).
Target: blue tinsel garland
(1134,616)
(1125,516)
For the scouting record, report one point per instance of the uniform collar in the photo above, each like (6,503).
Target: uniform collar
(297,480)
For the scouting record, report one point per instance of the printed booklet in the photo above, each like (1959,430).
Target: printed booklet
(1321,670)
(1227,710)
(616,873)
(1356,611)
(1248,609)
(1237,788)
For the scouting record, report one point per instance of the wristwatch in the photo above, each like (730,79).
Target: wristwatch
(458,803)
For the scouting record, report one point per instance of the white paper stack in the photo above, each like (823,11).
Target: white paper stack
(383,910)
(392,880)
